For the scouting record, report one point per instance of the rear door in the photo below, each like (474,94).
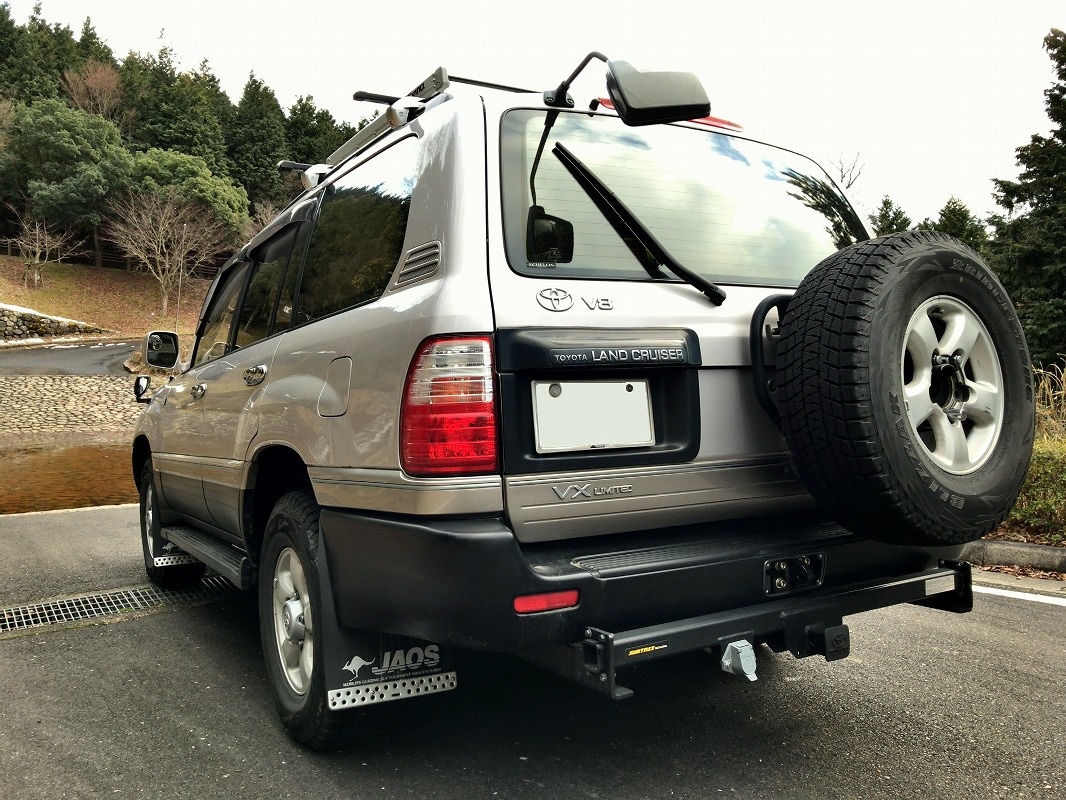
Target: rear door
(626,393)
(233,390)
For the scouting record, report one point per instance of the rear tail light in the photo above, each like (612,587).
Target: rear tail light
(448,422)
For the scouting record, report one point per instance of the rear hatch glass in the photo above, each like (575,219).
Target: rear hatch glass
(734,210)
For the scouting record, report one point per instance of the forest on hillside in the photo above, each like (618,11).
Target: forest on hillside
(90,139)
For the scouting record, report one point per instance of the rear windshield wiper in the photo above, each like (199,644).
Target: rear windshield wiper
(647,249)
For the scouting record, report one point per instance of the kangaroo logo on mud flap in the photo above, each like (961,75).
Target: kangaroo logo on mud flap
(357,664)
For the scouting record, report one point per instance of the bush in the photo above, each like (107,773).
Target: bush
(1041,505)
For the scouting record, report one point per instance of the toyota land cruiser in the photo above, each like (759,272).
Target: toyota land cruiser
(592,385)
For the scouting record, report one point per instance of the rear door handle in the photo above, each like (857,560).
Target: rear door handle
(253,376)
(198,391)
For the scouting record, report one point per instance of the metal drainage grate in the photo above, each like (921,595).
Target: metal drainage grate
(90,606)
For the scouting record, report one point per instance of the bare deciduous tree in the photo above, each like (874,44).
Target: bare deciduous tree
(38,246)
(848,174)
(167,236)
(95,89)
(263,211)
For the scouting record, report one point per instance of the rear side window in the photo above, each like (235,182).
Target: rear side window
(358,238)
(734,210)
(262,294)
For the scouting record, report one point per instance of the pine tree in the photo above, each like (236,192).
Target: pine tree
(257,142)
(889,218)
(956,220)
(1029,249)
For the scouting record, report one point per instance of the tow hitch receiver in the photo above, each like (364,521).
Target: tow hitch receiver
(806,626)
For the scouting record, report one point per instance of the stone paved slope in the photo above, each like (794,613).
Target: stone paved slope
(37,404)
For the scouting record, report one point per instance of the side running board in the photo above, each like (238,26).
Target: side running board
(228,562)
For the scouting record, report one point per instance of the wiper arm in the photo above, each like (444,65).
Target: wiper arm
(648,250)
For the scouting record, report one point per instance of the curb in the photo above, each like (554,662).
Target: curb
(1015,554)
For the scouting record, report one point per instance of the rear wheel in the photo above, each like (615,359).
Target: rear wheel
(905,390)
(165,565)
(289,607)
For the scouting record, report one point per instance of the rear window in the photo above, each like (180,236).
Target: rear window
(735,210)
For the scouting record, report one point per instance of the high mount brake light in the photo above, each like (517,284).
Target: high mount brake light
(448,420)
(713,122)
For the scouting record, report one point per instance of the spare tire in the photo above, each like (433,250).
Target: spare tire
(905,390)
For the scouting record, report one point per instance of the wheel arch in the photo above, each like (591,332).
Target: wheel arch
(142,453)
(273,471)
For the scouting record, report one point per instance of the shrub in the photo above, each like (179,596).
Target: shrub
(1041,505)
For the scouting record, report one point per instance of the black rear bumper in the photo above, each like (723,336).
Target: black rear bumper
(454,582)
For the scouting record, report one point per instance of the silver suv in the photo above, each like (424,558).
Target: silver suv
(592,386)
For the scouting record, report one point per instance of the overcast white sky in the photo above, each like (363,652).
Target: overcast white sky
(935,95)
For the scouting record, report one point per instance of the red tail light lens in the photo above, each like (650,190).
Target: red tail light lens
(448,422)
(549,601)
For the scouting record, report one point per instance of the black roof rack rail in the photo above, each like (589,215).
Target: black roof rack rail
(488,85)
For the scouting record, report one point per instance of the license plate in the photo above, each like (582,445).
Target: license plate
(591,415)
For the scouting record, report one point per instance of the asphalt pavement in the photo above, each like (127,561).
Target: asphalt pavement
(67,358)
(174,703)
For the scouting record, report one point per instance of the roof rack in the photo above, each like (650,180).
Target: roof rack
(400,111)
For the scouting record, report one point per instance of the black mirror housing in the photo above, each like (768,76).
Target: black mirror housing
(548,239)
(160,349)
(647,98)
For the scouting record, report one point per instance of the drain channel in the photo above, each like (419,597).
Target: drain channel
(119,601)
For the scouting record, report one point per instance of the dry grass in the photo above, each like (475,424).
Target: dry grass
(1051,402)
(127,303)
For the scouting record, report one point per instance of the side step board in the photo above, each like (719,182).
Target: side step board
(229,563)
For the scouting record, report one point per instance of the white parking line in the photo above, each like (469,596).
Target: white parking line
(1036,598)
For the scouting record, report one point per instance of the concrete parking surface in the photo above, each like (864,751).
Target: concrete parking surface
(174,703)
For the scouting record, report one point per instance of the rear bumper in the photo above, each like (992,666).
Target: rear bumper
(454,582)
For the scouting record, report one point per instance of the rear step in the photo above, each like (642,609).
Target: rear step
(222,558)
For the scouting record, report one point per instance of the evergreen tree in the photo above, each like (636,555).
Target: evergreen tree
(257,142)
(312,133)
(62,165)
(1029,249)
(189,176)
(956,220)
(889,218)
(92,48)
(171,110)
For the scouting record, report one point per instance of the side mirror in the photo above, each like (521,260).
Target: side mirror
(548,238)
(160,349)
(141,385)
(647,98)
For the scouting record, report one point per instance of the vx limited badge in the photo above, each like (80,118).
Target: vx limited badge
(578,491)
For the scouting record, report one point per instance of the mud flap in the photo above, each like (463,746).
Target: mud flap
(363,667)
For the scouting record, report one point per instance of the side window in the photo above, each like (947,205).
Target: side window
(359,234)
(215,341)
(257,310)
(284,318)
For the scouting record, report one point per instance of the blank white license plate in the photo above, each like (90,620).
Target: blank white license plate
(586,415)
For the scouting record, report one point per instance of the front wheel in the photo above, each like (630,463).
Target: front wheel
(289,608)
(165,565)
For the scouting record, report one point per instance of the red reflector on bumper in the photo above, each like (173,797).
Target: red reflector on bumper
(533,603)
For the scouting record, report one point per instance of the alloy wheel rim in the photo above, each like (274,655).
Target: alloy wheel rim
(293,631)
(952,385)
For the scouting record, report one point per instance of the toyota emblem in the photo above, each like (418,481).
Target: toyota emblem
(555,299)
